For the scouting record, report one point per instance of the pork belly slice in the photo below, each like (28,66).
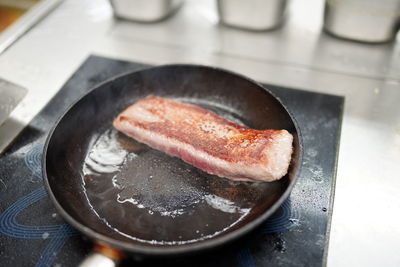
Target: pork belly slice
(206,140)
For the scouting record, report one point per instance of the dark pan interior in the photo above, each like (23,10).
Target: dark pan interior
(150,202)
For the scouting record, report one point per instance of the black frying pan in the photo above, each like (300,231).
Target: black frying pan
(134,199)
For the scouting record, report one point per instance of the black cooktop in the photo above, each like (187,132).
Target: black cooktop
(32,233)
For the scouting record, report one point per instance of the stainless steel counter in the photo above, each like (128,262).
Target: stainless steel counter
(365,229)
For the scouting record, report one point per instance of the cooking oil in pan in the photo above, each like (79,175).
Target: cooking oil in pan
(148,196)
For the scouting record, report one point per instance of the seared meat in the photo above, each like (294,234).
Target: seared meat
(206,140)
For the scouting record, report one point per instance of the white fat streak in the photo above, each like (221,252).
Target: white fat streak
(141,114)
(106,156)
(170,213)
(223,204)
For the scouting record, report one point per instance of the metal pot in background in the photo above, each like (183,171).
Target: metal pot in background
(371,21)
(251,14)
(144,10)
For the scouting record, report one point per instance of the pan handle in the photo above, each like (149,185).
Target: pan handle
(102,256)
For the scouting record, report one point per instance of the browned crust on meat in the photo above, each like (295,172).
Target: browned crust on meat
(185,123)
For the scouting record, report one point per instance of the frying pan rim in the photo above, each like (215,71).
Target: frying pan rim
(173,249)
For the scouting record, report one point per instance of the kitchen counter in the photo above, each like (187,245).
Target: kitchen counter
(364,230)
